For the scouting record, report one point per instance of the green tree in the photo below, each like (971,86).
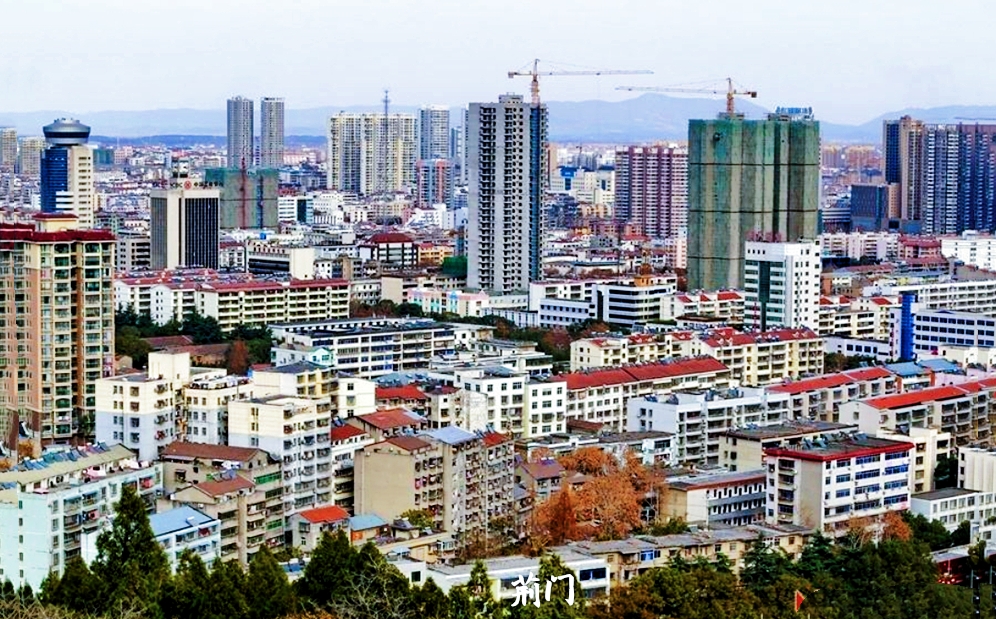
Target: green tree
(268,592)
(413,310)
(325,575)
(962,535)
(419,518)
(227,592)
(78,589)
(763,565)
(202,329)
(374,588)
(946,473)
(187,595)
(817,557)
(933,533)
(130,562)
(566,599)
(431,602)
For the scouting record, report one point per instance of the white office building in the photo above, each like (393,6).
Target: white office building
(782,285)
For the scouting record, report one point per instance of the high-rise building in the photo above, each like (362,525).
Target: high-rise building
(184,222)
(651,189)
(977,177)
(434,133)
(271,133)
(902,141)
(749,179)
(248,197)
(782,285)
(8,149)
(372,153)
(506,149)
(875,207)
(434,179)
(29,159)
(456,154)
(939,180)
(67,175)
(240,133)
(56,326)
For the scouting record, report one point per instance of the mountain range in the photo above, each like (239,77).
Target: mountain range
(648,117)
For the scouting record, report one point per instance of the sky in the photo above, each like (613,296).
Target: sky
(851,60)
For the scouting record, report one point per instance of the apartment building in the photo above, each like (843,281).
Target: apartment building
(971,248)
(782,285)
(726,304)
(932,445)
(368,154)
(445,471)
(766,358)
(826,485)
(953,506)
(933,329)
(601,396)
(349,396)
(699,419)
(711,498)
(614,351)
(743,448)
(205,407)
(295,431)
(74,491)
(137,411)
(592,574)
(882,246)
(963,410)
(56,325)
(370,347)
(185,529)
(631,557)
(308,527)
(133,253)
(242,487)
(393,249)
(629,303)
(820,398)
(347,442)
(233,303)
(974,296)
(510,402)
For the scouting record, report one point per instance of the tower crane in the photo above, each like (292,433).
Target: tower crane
(535,73)
(730,92)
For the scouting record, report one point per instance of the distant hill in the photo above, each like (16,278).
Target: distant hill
(645,118)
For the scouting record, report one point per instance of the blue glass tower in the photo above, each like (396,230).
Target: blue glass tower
(61,136)
(906,327)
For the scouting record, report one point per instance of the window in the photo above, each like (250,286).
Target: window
(593,574)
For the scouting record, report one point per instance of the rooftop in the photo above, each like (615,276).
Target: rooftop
(852,447)
(943,493)
(207,451)
(222,487)
(588,379)
(719,479)
(391,418)
(789,428)
(362,522)
(452,435)
(327,513)
(178,519)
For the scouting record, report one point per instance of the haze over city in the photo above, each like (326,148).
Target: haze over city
(850,60)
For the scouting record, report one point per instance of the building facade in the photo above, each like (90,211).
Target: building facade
(782,285)
(506,153)
(748,179)
(651,190)
(271,132)
(184,226)
(370,154)
(241,148)
(67,172)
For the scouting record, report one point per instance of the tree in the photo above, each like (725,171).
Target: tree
(946,472)
(187,593)
(608,507)
(555,520)
(431,602)
(894,527)
(589,461)
(268,593)
(566,599)
(419,518)
(413,310)
(324,576)
(202,329)
(930,532)
(130,563)
(763,565)
(962,536)
(77,590)
(237,358)
(227,589)
(375,588)
(669,526)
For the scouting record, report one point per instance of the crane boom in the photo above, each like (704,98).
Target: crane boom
(730,92)
(535,73)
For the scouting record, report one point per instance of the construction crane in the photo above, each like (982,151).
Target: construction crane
(730,92)
(535,73)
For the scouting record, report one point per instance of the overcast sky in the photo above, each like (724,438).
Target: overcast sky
(849,59)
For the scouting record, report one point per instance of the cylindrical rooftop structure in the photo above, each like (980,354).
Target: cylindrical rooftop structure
(66,132)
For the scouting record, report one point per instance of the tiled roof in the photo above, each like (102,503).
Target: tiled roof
(910,398)
(207,451)
(829,381)
(636,373)
(548,469)
(224,486)
(341,433)
(408,443)
(328,513)
(391,418)
(389,237)
(494,438)
(407,392)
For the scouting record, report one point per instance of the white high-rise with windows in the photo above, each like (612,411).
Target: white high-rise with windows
(240,133)
(434,132)
(8,149)
(271,132)
(372,153)
(782,285)
(506,149)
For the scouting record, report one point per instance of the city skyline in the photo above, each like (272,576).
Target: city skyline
(808,56)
